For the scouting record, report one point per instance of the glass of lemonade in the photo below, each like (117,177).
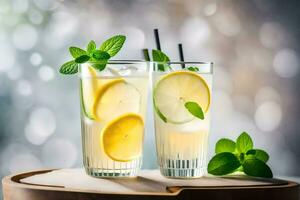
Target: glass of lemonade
(113,107)
(181,137)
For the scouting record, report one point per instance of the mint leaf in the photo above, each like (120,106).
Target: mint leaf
(76,52)
(223,163)
(244,143)
(91,46)
(259,154)
(99,66)
(162,58)
(256,167)
(69,68)
(146,54)
(225,145)
(113,45)
(251,152)
(100,55)
(240,169)
(194,69)
(194,109)
(159,56)
(82,59)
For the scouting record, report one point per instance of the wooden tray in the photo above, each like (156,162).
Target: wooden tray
(148,188)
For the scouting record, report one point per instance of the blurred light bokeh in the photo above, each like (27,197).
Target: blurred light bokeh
(254,45)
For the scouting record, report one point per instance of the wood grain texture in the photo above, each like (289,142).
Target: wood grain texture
(13,189)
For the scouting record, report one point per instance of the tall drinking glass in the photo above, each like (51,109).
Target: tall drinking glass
(182,97)
(113,106)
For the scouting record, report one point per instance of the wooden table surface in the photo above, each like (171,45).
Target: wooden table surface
(75,184)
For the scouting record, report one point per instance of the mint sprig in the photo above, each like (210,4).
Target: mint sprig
(239,156)
(107,50)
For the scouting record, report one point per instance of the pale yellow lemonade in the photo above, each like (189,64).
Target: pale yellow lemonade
(112,119)
(181,138)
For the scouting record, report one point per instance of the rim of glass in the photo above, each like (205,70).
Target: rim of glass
(117,62)
(185,62)
(203,67)
(144,61)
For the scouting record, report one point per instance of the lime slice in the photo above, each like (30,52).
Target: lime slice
(114,99)
(175,89)
(122,138)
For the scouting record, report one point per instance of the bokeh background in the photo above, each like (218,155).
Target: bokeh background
(253,43)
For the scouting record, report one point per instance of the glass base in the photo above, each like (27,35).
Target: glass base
(183,173)
(111,173)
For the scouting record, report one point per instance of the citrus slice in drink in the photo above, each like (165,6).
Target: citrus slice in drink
(89,85)
(122,138)
(173,90)
(114,99)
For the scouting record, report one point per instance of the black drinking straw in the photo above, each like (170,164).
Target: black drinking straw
(156,35)
(146,54)
(181,56)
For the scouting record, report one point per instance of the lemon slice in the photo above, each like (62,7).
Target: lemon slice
(175,89)
(122,138)
(114,99)
(89,85)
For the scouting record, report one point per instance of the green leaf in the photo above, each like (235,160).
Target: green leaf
(223,163)
(244,143)
(76,52)
(257,168)
(225,145)
(69,68)
(91,46)
(194,109)
(82,59)
(113,45)
(159,56)
(162,58)
(194,69)
(240,169)
(259,154)
(251,152)
(146,54)
(99,66)
(100,55)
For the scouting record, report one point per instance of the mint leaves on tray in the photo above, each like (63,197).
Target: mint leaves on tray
(239,156)
(107,50)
